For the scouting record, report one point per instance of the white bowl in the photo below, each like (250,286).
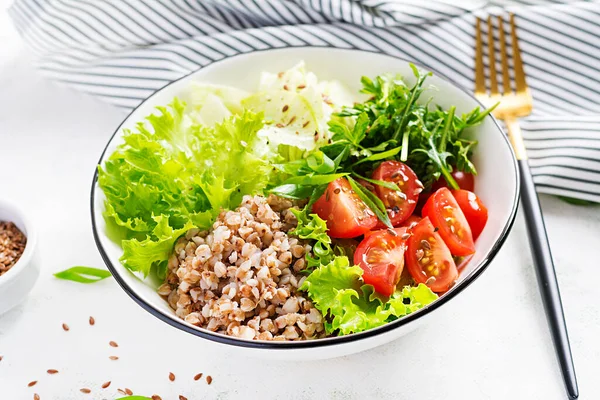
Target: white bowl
(18,281)
(497,184)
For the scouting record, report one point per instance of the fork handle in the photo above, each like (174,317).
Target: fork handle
(544,265)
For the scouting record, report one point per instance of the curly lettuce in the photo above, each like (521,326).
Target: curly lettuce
(349,305)
(174,173)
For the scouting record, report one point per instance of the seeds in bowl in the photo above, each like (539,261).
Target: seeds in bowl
(241,278)
(12,245)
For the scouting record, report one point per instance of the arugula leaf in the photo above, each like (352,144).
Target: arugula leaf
(430,140)
(349,305)
(83,274)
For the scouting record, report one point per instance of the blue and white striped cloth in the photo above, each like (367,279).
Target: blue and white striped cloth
(123,50)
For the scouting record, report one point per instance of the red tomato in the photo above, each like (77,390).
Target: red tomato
(428,259)
(411,221)
(464,180)
(461,262)
(346,214)
(445,214)
(474,210)
(400,204)
(381,256)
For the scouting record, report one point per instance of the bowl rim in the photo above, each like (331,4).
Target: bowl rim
(31,236)
(330,341)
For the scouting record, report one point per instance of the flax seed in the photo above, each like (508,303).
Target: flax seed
(156,397)
(121,391)
(113,344)
(52,371)
(128,391)
(114,358)
(182,397)
(32,383)
(198,376)
(36,396)
(85,390)
(105,385)
(65,327)
(171,377)
(92,321)
(285,108)
(209,379)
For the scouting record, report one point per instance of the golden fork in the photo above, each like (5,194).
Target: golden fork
(515,104)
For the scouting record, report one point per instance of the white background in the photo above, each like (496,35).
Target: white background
(491,342)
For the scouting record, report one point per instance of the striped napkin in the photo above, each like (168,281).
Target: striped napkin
(121,51)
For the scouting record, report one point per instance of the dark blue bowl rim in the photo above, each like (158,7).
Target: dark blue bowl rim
(330,341)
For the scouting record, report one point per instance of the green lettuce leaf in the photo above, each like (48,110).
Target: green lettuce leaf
(172,174)
(141,255)
(314,228)
(349,305)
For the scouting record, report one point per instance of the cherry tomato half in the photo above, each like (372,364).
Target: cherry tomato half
(411,222)
(400,204)
(475,212)
(381,256)
(445,214)
(347,216)
(428,259)
(464,180)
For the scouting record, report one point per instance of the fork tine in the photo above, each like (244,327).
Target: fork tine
(505,75)
(492,57)
(479,69)
(521,84)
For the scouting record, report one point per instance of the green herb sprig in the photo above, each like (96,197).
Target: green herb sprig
(393,124)
(83,274)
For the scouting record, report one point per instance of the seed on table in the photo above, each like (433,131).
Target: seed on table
(121,391)
(105,385)
(128,392)
(209,379)
(85,390)
(92,321)
(36,396)
(32,383)
(65,327)
(52,371)
(198,376)
(182,397)
(113,344)
(171,377)
(156,397)
(1,357)
(113,358)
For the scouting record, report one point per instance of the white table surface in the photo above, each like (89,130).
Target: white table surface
(491,342)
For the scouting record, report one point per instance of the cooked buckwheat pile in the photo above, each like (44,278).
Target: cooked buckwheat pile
(241,278)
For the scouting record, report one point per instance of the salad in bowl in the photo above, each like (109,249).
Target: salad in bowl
(299,210)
